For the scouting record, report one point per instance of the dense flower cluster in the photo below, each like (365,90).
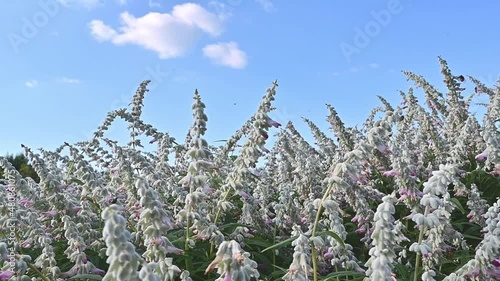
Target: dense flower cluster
(411,195)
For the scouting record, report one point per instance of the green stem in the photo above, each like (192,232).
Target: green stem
(32,267)
(420,238)
(274,243)
(188,225)
(186,243)
(315,228)
(219,211)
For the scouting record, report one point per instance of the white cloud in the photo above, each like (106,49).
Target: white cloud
(168,34)
(267,5)
(67,80)
(227,54)
(374,65)
(353,69)
(102,32)
(31,83)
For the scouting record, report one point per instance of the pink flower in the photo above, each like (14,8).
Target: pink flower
(404,192)
(5,275)
(177,251)
(495,273)
(70,273)
(482,156)
(157,241)
(244,195)
(27,243)
(97,271)
(496,262)
(360,230)
(207,189)
(166,220)
(49,214)
(273,123)
(391,173)
(383,148)
(75,208)
(26,203)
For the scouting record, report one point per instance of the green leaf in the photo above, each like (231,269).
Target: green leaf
(334,236)
(86,277)
(458,204)
(257,242)
(233,224)
(335,275)
(472,237)
(75,180)
(280,244)
(280,268)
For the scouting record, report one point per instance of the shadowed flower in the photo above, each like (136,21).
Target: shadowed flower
(264,134)
(98,271)
(265,150)
(273,123)
(496,262)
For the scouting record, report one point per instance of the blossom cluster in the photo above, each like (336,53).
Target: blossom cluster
(412,194)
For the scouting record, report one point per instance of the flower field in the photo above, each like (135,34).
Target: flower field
(413,194)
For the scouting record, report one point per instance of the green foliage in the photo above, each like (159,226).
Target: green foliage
(20,162)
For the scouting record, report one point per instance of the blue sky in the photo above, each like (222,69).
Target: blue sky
(66,63)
